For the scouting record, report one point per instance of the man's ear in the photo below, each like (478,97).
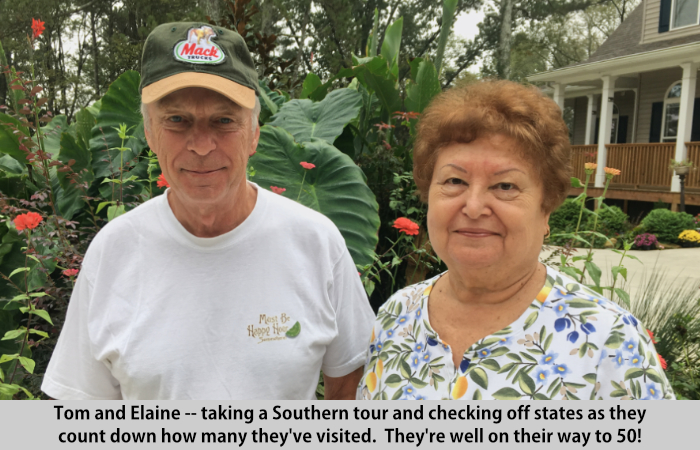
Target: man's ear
(254,144)
(147,131)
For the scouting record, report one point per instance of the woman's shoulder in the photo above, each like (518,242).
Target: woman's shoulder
(410,294)
(571,300)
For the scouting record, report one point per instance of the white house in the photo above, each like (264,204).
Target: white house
(635,103)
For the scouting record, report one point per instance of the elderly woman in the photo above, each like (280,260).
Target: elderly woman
(492,161)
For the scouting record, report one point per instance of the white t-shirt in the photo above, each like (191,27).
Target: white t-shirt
(158,313)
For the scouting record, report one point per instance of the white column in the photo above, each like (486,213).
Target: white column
(685,116)
(605,128)
(591,113)
(558,96)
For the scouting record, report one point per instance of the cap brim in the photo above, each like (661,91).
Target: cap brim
(237,93)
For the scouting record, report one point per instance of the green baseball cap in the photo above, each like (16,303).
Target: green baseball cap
(179,55)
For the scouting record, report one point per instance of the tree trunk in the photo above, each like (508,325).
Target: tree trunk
(212,8)
(94,55)
(300,52)
(505,41)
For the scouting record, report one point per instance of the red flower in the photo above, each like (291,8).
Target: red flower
(307,165)
(28,220)
(37,27)
(70,272)
(663,362)
(407,226)
(651,335)
(162,182)
(277,190)
(383,126)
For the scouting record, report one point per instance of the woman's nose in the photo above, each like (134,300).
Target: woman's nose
(476,203)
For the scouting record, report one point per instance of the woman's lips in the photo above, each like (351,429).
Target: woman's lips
(476,232)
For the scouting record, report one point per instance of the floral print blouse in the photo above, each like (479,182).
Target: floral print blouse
(570,343)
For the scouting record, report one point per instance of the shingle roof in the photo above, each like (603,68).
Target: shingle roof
(625,40)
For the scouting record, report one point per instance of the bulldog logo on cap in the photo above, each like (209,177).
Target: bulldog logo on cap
(198,47)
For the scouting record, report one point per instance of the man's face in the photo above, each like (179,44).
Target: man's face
(203,141)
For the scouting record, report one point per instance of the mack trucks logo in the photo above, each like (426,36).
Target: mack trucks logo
(198,47)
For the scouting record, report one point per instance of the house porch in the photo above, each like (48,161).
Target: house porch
(645,175)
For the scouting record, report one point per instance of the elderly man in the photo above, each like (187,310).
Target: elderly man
(218,289)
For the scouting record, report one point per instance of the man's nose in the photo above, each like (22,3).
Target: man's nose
(201,139)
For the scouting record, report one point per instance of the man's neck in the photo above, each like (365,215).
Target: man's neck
(207,220)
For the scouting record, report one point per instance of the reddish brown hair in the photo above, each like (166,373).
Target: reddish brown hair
(483,108)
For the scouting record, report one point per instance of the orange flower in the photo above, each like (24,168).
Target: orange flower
(29,220)
(591,166)
(277,190)
(162,182)
(651,335)
(307,165)
(37,28)
(407,226)
(70,272)
(610,172)
(662,361)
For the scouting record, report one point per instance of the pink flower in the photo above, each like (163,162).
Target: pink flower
(277,190)
(307,165)
(407,226)
(70,272)
(28,220)
(162,182)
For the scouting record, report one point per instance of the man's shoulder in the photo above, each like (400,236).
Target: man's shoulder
(129,225)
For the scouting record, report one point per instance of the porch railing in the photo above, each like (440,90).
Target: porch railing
(643,166)
(581,154)
(692,181)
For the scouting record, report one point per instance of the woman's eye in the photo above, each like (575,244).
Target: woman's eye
(454,181)
(505,186)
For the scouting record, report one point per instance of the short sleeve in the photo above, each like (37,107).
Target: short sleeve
(73,372)
(630,367)
(354,319)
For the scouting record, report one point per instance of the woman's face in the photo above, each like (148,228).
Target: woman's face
(485,208)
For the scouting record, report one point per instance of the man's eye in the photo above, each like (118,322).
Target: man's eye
(175,119)
(225,120)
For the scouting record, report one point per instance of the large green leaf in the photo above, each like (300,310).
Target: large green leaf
(375,76)
(75,151)
(336,187)
(9,144)
(52,134)
(311,83)
(324,120)
(425,87)
(392,45)
(120,105)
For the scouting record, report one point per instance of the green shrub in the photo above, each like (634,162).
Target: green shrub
(667,225)
(612,221)
(565,218)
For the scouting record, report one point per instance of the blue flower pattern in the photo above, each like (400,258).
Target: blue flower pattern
(570,343)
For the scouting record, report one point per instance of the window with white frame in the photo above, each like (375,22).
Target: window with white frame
(669,128)
(684,13)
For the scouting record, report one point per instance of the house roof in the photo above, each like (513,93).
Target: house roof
(625,40)
(623,54)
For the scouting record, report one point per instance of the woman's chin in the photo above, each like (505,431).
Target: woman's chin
(474,258)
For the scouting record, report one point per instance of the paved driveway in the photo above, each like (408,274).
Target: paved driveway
(676,265)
